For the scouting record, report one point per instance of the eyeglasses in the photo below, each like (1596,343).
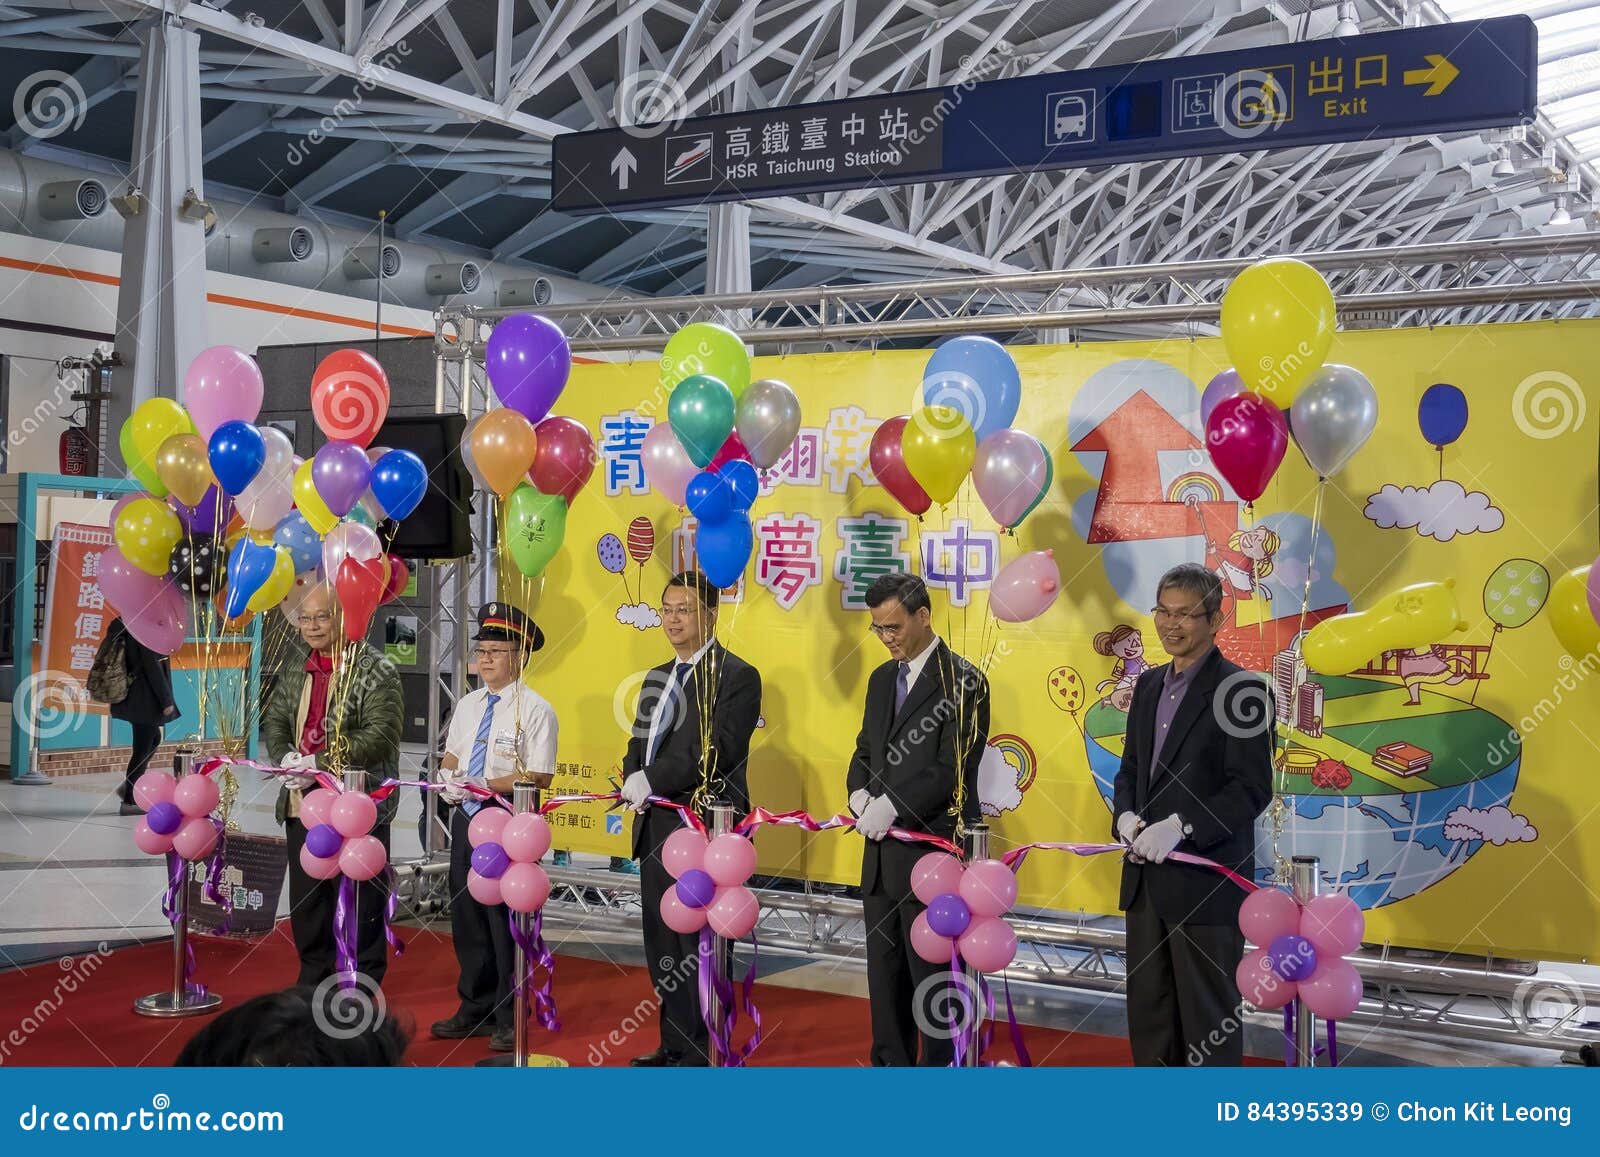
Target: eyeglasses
(887,631)
(488,653)
(1168,615)
(318,618)
(680,612)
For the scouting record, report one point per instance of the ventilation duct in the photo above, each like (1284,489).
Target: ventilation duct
(72,200)
(270,246)
(361,263)
(525,292)
(450,279)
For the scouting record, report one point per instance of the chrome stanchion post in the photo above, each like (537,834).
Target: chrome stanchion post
(977,849)
(524,799)
(1305,878)
(721,825)
(180,1000)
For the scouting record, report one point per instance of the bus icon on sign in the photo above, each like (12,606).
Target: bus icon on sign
(1069,117)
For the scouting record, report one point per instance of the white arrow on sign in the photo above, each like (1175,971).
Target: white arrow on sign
(622,166)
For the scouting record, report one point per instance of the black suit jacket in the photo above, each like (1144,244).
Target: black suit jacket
(675,772)
(915,756)
(1214,770)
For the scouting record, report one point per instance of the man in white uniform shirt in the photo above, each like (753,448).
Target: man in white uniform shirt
(499,733)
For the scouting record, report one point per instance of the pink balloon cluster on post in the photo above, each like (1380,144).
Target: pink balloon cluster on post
(710,886)
(177,814)
(966,910)
(1300,952)
(506,850)
(338,835)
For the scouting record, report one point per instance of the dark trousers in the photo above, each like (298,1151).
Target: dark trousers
(911,1004)
(146,738)
(674,962)
(482,934)
(312,904)
(1183,1001)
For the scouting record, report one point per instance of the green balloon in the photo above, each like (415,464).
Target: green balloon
(143,472)
(1516,592)
(701,412)
(1049,480)
(705,348)
(535,525)
(358,513)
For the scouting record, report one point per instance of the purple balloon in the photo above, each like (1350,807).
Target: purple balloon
(208,516)
(490,861)
(949,915)
(528,360)
(1293,957)
(340,472)
(696,888)
(324,841)
(1224,385)
(164,818)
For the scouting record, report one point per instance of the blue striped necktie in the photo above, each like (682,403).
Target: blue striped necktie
(480,750)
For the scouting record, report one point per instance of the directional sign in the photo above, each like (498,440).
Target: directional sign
(1447,78)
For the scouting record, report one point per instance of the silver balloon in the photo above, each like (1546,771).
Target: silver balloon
(1333,416)
(768,418)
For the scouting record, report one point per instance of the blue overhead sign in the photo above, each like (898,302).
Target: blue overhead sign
(1473,75)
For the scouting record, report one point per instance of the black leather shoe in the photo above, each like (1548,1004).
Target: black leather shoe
(460,1026)
(130,809)
(660,1059)
(504,1040)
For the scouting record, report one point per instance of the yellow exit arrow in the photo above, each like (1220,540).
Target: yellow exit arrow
(1437,76)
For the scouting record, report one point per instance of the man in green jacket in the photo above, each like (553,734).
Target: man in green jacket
(334,708)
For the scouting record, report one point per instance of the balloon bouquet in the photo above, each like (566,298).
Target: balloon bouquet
(1299,956)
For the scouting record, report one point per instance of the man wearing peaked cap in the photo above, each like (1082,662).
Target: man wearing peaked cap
(502,732)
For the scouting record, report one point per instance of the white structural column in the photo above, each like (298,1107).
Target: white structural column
(161,303)
(728,224)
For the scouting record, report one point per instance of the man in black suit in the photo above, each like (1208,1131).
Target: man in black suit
(915,768)
(1196,772)
(708,693)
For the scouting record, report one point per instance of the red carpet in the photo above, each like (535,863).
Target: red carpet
(94,1025)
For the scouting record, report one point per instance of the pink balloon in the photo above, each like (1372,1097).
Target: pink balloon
(195,840)
(150,606)
(154,787)
(222,384)
(1025,586)
(935,874)
(927,943)
(362,857)
(196,795)
(353,814)
(1334,924)
(1334,990)
(1010,472)
(1261,986)
(1247,437)
(730,859)
(483,889)
(988,944)
(1268,913)
(149,841)
(318,867)
(526,838)
(666,464)
(1227,384)
(678,916)
(316,807)
(683,851)
(525,887)
(989,888)
(488,825)
(734,911)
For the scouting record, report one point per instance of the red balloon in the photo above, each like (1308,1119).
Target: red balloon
(1247,437)
(399,575)
(565,458)
(889,466)
(359,586)
(733,450)
(350,396)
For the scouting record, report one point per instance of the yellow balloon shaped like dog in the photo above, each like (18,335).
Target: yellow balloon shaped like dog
(1413,616)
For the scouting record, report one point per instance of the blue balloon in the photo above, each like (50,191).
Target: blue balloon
(237,452)
(724,548)
(743,482)
(295,535)
(976,376)
(399,480)
(250,564)
(1442,413)
(709,498)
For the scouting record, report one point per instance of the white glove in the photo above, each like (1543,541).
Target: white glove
(1128,826)
(876,818)
(859,799)
(1157,840)
(636,791)
(452,791)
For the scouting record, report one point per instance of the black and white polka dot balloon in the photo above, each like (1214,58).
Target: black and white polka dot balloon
(195,566)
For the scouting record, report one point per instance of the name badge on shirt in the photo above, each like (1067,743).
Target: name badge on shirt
(504,753)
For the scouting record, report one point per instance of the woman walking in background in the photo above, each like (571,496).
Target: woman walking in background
(145,706)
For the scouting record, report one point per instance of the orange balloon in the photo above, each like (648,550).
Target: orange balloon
(503,446)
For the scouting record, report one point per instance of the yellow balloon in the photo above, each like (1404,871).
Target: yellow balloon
(938,447)
(1569,614)
(278,585)
(145,533)
(184,467)
(310,503)
(147,428)
(1414,616)
(1277,324)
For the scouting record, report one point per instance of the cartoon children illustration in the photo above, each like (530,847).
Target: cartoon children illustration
(1242,562)
(1126,644)
(1429,664)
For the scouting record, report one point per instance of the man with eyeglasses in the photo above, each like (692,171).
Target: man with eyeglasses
(347,699)
(500,732)
(1196,773)
(691,739)
(923,732)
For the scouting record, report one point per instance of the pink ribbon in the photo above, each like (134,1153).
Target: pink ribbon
(1013,859)
(804,821)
